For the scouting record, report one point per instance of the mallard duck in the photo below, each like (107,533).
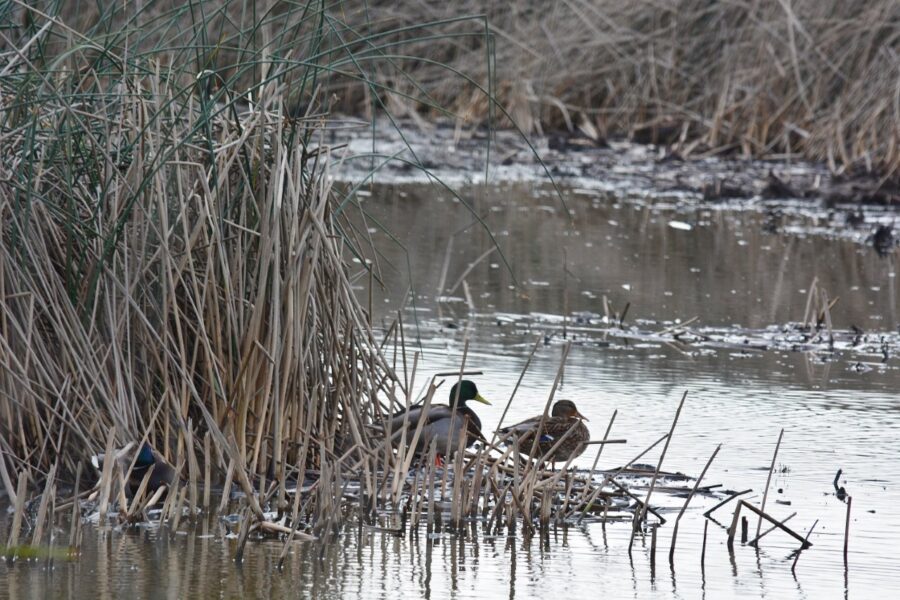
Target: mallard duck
(163,473)
(563,417)
(438,421)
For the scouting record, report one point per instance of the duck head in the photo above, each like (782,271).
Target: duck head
(467,391)
(566,408)
(145,456)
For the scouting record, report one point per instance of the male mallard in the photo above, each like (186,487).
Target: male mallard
(563,417)
(163,473)
(438,421)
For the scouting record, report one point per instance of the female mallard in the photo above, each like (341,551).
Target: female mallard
(439,420)
(564,417)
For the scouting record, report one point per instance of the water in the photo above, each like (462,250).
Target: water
(726,271)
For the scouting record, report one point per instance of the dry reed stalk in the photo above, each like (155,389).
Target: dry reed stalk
(131,510)
(703,547)
(734,524)
(121,499)
(75,520)
(46,496)
(641,513)
(459,475)
(243,534)
(18,516)
(778,524)
(809,313)
(7,483)
(207,466)
(609,425)
(453,406)
(107,475)
(806,539)
(768,481)
(754,541)
(512,395)
(178,506)
(193,467)
(226,489)
(429,478)
(525,492)
(725,501)
(687,501)
(610,478)
(846,530)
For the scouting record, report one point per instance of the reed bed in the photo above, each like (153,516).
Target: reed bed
(803,78)
(771,78)
(175,268)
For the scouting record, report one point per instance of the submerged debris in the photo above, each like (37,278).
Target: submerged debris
(883,240)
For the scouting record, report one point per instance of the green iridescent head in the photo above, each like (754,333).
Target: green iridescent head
(467,391)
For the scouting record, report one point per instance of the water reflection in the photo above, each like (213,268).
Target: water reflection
(573,561)
(725,270)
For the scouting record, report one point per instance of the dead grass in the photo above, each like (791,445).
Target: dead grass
(775,78)
(815,79)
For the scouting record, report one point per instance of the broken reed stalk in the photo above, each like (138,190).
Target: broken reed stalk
(809,313)
(535,443)
(846,529)
(611,478)
(18,515)
(687,501)
(778,524)
(806,539)
(512,395)
(453,413)
(703,546)
(612,420)
(730,497)
(768,481)
(106,476)
(207,467)
(641,513)
(754,541)
(75,520)
(193,466)
(46,496)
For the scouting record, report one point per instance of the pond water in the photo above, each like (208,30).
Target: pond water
(667,262)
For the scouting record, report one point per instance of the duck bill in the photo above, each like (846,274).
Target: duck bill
(581,416)
(480,398)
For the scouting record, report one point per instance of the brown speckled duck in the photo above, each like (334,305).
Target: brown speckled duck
(563,417)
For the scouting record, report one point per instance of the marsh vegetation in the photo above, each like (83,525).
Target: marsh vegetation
(184,287)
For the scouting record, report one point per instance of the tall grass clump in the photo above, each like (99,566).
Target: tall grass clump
(173,267)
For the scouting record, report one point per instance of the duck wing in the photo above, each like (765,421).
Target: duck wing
(446,439)
(526,427)
(435,413)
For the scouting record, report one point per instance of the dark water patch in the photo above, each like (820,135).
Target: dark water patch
(723,270)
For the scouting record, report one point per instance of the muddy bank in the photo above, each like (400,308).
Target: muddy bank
(856,205)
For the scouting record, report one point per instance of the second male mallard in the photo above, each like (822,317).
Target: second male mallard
(440,419)
(145,459)
(564,416)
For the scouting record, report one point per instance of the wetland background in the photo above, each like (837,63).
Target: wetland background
(199,248)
